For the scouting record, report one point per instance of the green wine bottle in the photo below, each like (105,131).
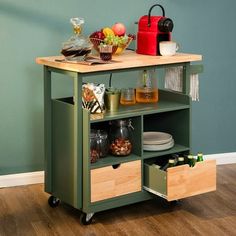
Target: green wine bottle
(180,161)
(199,157)
(191,161)
(171,163)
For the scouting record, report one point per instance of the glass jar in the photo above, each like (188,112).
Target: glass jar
(103,143)
(120,137)
(146,90)
(94,150)
(77,47)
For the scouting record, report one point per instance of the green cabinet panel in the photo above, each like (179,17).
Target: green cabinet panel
(64,173)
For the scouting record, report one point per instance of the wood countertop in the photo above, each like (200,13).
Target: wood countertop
(128,59)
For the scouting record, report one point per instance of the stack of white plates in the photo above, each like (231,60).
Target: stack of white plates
(157,141)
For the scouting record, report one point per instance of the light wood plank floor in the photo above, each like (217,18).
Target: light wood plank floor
(24,211)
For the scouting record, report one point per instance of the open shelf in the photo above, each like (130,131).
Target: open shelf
(176,149)
(168,101)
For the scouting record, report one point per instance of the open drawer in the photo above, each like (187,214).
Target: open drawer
(180,181)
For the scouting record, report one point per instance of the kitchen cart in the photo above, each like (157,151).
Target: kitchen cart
(118,181)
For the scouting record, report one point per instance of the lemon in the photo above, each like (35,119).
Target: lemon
(108,31)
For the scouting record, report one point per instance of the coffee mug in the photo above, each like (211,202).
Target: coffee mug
(168,48)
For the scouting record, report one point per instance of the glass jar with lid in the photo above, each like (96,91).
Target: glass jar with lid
(120,137)
(94,150)
(103,143)
(146,90)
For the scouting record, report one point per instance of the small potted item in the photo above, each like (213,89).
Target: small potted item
(112,99)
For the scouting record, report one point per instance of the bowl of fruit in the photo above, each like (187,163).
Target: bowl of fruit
(115,36)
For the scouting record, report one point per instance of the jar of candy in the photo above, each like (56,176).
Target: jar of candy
(120,137)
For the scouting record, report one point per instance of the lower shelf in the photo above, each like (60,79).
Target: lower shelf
(176,149)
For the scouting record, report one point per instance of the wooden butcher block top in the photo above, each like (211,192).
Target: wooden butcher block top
(127,60)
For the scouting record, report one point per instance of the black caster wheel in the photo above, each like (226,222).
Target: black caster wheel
(171,204)
(53,201)
(174,203)
(86,219)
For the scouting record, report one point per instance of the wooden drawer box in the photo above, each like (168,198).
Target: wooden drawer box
(180,181)
(113,181)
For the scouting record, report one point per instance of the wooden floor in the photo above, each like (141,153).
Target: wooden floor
(24,211)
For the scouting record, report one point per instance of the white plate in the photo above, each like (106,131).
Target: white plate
(159,147)
(156,138)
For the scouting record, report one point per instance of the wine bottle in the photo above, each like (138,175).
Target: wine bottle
(199,157)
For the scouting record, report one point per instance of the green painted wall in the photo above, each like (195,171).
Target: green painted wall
(29,29)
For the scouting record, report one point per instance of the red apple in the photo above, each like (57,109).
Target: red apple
(119,29)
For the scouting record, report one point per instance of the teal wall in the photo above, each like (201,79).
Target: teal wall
(29,29)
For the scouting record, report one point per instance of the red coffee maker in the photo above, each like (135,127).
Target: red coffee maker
(151,31)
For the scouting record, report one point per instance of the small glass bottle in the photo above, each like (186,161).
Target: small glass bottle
(120,137)
(199,157)
(146,90)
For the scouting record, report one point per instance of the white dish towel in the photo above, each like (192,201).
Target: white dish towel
(174,81)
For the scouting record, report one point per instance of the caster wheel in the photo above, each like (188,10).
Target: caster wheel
(171,204)
(86,219)
(53,201)
(174,203)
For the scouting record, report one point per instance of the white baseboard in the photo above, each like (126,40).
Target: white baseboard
(222,158)
(21,179)
(38,176)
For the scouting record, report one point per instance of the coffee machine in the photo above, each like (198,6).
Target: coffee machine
(152,30)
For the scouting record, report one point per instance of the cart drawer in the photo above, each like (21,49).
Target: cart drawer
(181,181)
(113,181)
